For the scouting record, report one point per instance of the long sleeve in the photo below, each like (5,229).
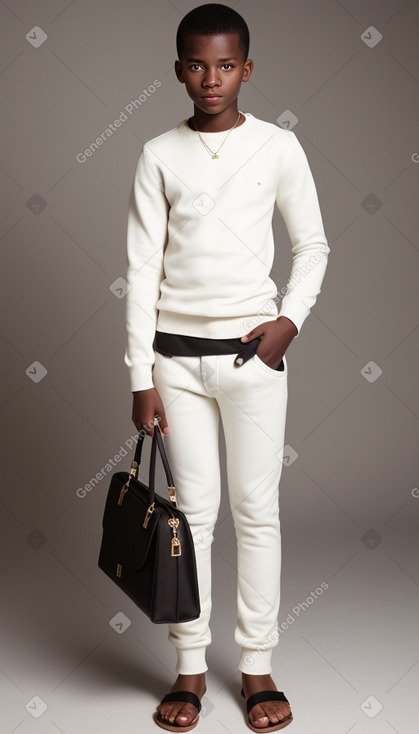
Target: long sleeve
(147,228)
(298,203)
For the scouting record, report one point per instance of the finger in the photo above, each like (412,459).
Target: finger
(255,333)
(161,421)
(247,352)
(249,336)
(148,428)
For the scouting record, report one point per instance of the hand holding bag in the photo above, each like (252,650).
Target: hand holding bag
(147,547)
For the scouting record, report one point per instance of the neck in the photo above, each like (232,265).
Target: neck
(215,123)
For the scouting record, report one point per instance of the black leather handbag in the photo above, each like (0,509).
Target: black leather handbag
(147,547)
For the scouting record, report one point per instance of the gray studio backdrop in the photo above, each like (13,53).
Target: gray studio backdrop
(76,655)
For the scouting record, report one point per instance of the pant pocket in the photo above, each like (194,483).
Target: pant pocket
(260,364)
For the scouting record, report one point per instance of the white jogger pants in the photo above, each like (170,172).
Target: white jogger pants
(251,401)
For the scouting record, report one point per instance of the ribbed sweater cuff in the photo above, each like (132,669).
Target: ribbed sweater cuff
(295,311)
(255,662)
(141,377)
(191,661)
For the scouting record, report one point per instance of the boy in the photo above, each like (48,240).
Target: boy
(206,340)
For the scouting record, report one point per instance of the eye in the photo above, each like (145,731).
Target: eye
(227,64)
(191,67)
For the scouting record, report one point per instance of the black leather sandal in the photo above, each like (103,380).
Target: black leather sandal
(266,696)
(186,696)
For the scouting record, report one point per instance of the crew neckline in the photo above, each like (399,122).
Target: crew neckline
(184,128)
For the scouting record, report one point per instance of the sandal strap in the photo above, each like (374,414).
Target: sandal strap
(263,696)
(186,696)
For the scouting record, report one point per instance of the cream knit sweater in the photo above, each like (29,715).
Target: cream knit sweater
(200,244)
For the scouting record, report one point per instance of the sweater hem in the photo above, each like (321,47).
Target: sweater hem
(208,326)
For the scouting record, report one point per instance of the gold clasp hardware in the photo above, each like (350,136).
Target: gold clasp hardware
(148,515)
(122,492)
(118,570)
(134,469)
(172,495)
(176,549)
(133,472)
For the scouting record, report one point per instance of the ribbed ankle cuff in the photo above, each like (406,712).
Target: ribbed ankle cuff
(191,660)
(255,662)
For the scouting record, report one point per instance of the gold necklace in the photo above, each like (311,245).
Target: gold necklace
(213,153)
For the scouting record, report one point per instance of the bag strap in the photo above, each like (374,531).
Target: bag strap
(157,443)
(139,448)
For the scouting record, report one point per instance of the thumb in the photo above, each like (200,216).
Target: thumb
(250,335)
(163,424)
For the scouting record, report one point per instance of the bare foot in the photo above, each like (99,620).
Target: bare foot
(179,712)
(268,712)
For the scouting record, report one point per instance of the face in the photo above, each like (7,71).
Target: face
(213,65)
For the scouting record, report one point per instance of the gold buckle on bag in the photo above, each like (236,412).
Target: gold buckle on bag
(124,489)
(133,472)
(172,494)
(176,549)
(148,515)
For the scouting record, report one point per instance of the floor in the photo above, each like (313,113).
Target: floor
(347,655)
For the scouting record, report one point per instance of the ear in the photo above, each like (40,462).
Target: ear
(248,69)
(178,71)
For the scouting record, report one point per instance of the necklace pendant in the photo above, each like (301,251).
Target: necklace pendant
(215,155)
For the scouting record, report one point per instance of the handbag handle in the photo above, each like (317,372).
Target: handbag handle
(157,442)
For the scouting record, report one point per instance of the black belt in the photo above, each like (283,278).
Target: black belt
(182,345)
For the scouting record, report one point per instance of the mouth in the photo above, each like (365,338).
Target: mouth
(212,98)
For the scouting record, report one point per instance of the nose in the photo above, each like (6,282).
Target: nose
(211,78)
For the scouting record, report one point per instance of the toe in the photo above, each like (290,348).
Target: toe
(186,715)
(164,711)
(263,722)
(258,716)
(276,712)
(168,712)
(264,714)
(272,713)
(283,710)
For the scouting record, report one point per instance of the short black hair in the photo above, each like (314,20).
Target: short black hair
(212,19)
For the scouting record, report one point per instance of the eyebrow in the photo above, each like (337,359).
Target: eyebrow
(201,61)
